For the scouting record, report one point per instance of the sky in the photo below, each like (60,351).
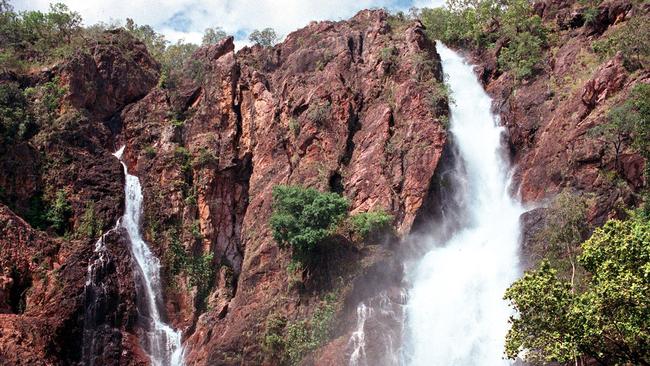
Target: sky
(187,19)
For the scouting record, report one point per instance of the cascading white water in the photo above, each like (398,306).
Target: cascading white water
(163,342)
(455,314)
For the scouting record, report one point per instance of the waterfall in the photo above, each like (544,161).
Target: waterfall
(162,342)
(455,314)
(96,300)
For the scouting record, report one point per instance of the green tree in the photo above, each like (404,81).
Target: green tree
(629,123)
(303,217)
(213,35)
(155,42)
(265,37)
(608,321)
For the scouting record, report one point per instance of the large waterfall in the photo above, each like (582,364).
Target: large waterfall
(162,342)
(455,314)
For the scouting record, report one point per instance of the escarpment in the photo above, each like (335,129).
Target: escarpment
(350,107)
(551,117)
(353,107)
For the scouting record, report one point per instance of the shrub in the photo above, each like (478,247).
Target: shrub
(319,112)
(90,226)
(14,118)
(609,320)
(59,212)
(303,217)
(304,336)
(366,224)
(632,39)
(480,24)
(149,151)
(565,228)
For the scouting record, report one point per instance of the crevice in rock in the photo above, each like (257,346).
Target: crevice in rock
(336,183)
(18,293)
(353,127)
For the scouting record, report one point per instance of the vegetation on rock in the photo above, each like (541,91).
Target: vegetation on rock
(303,217)
(480,24)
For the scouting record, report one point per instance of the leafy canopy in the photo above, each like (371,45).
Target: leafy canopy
(608,320)
(303,217)
(265,37)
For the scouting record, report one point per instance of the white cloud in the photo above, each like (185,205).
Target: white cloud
(237,17)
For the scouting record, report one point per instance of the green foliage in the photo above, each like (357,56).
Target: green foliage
(290,342)
(149,151)
(213,35)
(480,23)
(632,39)
(183,157)
(155,42)
(59,212)
(389,57)
(294,127)
(366,224)
(201,270)
(319,111)
(176,257)
(303,217)
(37,37)
(609,320)
(273,341)
(14,117)
(629,122)
(265,37)
(205,158)
(90,226)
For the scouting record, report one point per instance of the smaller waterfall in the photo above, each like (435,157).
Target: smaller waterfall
(379,327)
(358,339)
(96,299)
(162,342)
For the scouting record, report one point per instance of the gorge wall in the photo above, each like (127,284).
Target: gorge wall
(355,107)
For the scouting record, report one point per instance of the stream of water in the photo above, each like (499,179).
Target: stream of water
(162,342)
(455,314)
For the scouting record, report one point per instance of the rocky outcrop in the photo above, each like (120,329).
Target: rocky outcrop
(352,107)
(550,116)
(44,303)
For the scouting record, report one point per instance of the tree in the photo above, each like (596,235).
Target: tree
(265,38)
(608,321)
(628,122)
(564,230)
(213,35)
(155,42)
(303,217)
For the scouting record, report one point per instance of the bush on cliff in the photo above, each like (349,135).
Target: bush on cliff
(366,224)
(303,217)
(607,321)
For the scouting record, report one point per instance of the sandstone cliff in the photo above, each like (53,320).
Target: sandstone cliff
(354,107)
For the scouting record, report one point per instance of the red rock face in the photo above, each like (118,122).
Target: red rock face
(344,106)
(549,117)
(42,278)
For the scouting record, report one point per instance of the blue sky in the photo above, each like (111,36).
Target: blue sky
(187,19)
